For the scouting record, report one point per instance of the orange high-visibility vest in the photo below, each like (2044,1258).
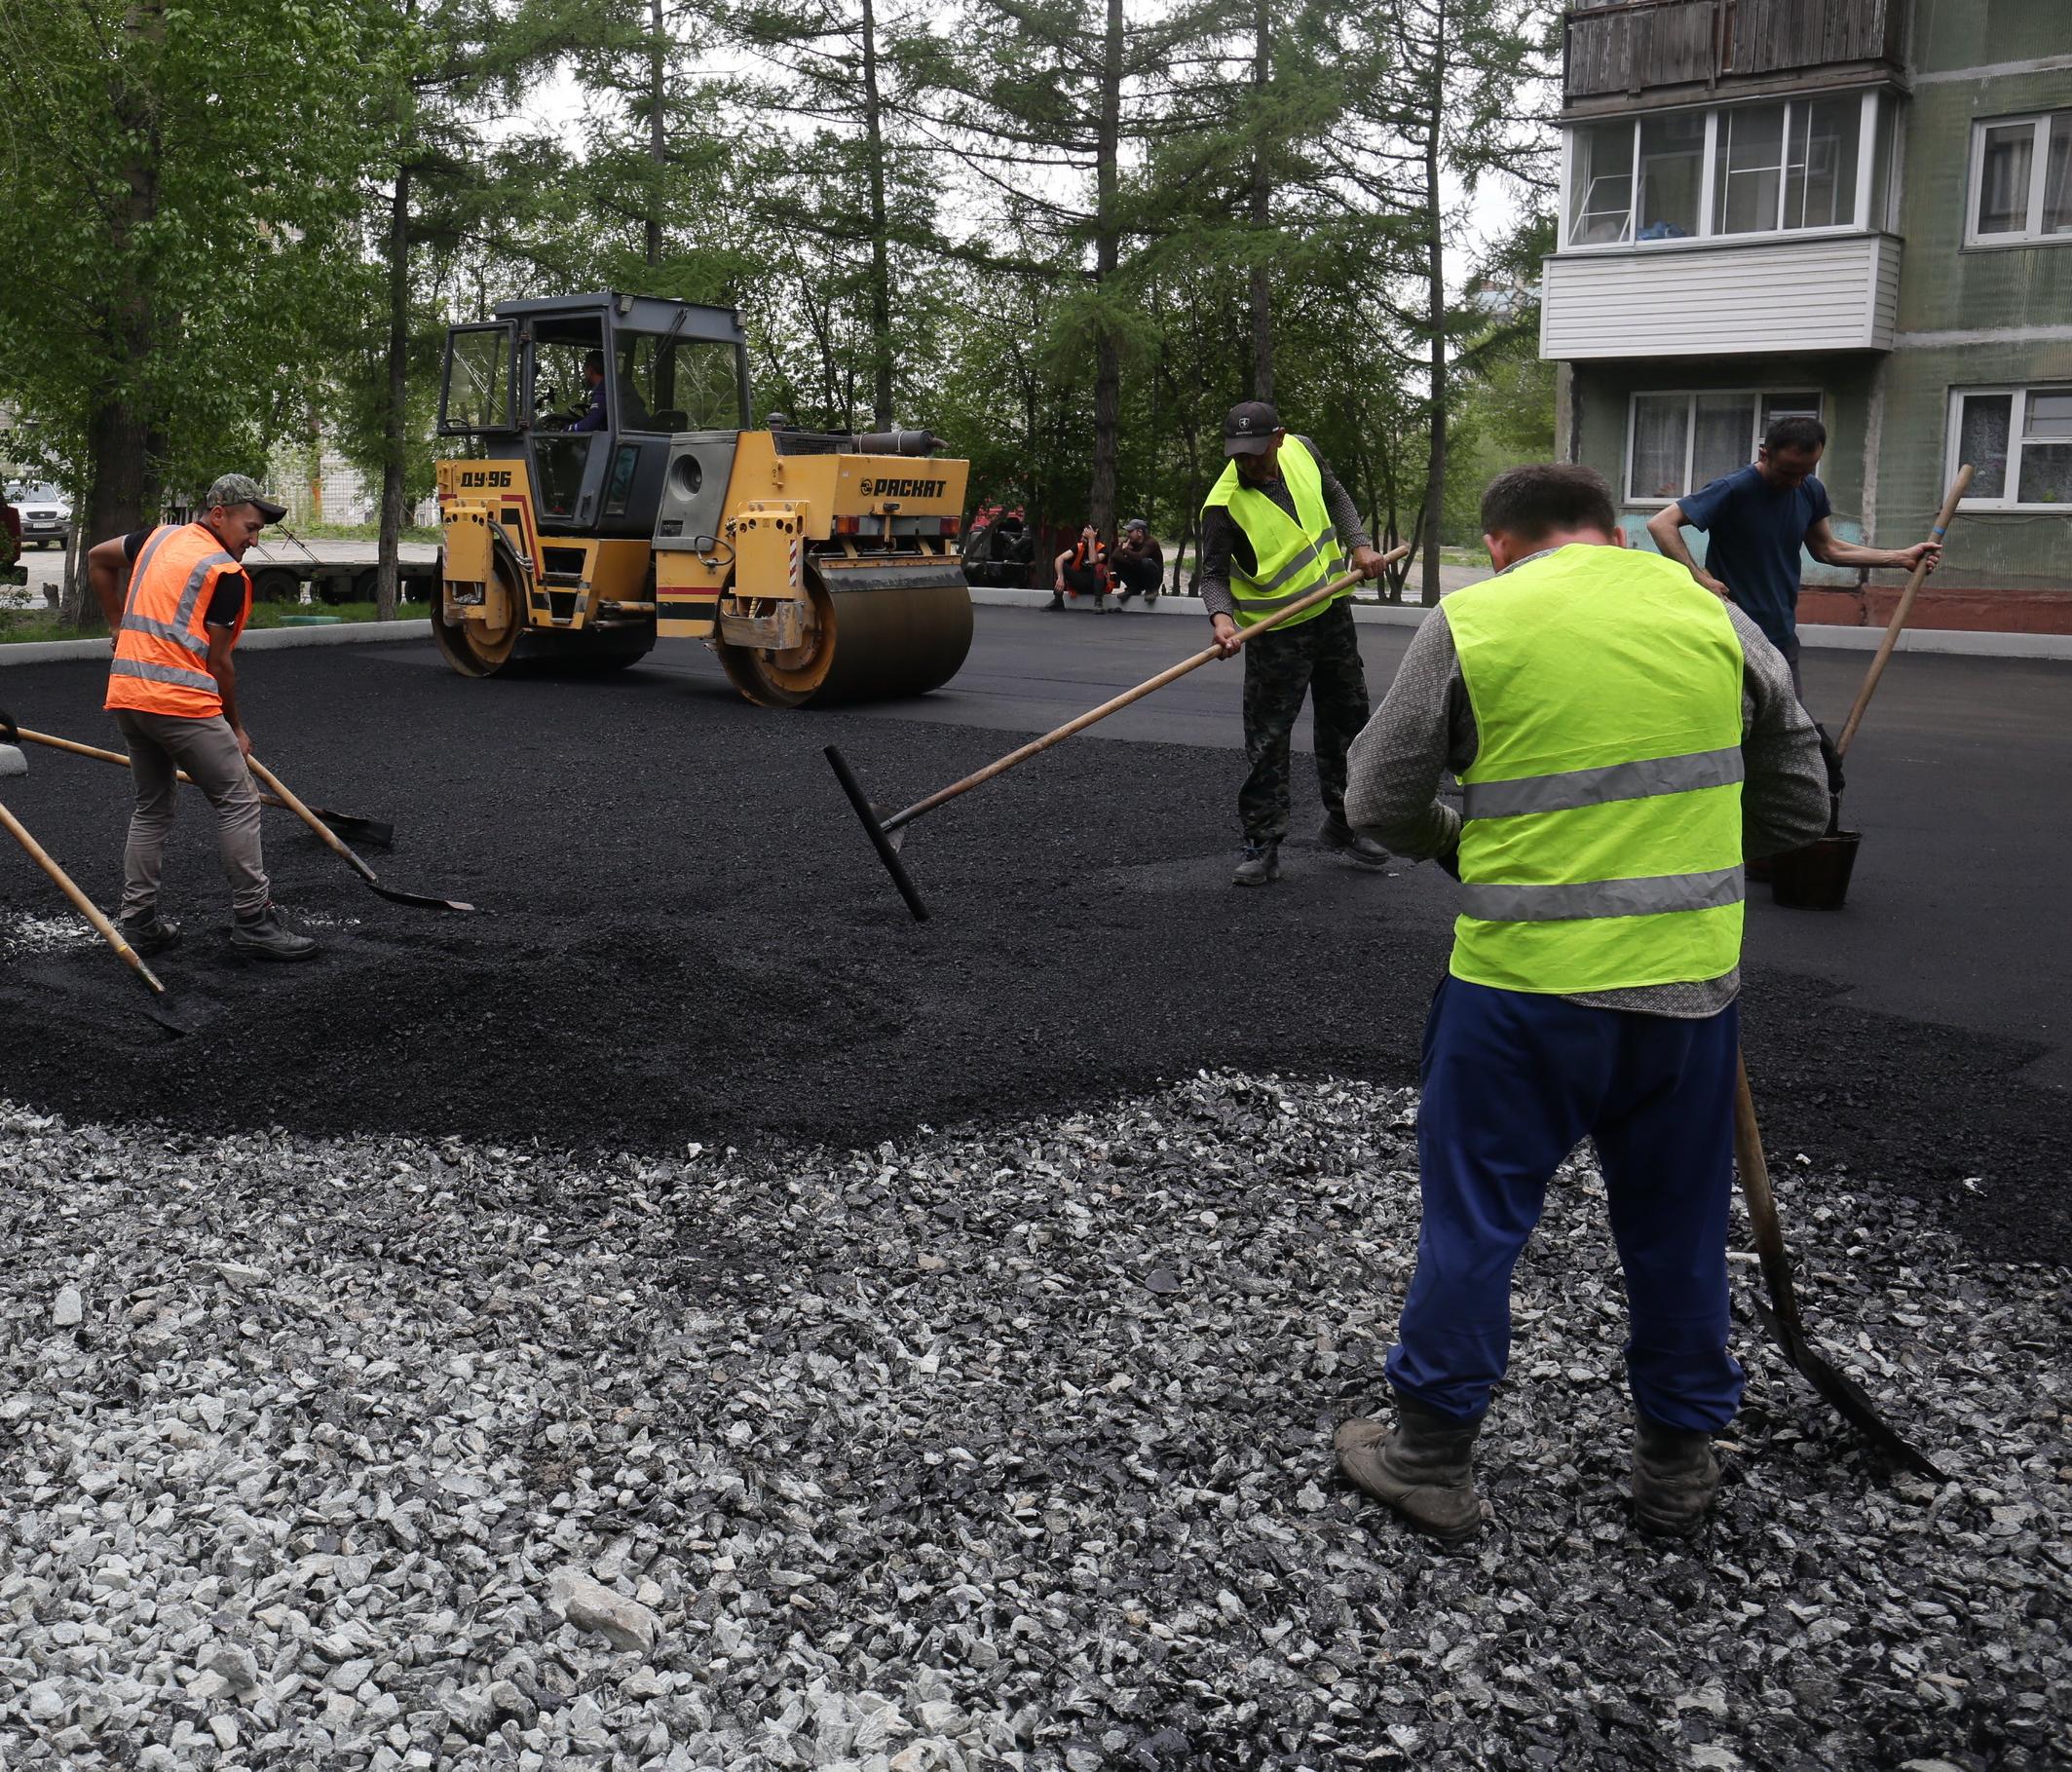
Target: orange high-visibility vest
(160,664)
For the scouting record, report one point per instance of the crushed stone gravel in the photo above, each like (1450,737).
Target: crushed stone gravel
(999,1447)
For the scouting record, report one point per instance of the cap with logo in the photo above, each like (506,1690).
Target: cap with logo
(1249,427)
(242,489)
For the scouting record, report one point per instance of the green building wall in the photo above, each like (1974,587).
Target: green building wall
(1953,297)
(1969,317)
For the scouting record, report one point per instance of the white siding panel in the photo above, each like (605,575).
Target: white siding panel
(1823,294)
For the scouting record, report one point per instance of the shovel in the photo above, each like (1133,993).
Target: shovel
(13,763)
(885,833)
(1780,1316)
(333,842)
(377,832)
(1816,878)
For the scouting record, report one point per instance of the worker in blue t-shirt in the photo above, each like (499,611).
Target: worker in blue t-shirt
(1757,518)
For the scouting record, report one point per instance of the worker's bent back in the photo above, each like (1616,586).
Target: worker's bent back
(1601,842)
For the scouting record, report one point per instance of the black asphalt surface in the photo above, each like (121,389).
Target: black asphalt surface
(692,940)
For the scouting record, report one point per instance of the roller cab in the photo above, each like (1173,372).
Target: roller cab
(616,496)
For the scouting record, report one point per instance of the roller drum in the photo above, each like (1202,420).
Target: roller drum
(883,633)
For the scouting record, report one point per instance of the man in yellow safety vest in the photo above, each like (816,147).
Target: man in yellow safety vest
(1276,525)
(1621,738)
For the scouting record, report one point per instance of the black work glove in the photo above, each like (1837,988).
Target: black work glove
(1833,758)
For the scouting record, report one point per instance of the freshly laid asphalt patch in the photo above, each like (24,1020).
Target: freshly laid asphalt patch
(691,939)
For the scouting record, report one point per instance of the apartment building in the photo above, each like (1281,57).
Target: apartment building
(1857,208)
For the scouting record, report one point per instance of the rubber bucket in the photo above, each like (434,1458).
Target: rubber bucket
(1816,878)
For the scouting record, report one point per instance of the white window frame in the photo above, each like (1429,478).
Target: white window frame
(2018,422)
(1869,139)
(1760,396)
(2033,233)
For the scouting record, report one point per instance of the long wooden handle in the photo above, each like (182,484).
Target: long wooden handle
(330,836)
(1957,489)
(1172,673)
(74,746)
(80,903)
(106,756)
(1761,1201)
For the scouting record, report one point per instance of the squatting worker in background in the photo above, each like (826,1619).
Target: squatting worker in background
(1274,527)
(1757,518)
(1621,738)
(1082,570)
(1139,562)
(173,692)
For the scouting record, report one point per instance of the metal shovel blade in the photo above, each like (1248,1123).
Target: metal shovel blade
(880,841)
(1780,1315)
(344,850)
(375,833)
(1850,1401)
(395,895)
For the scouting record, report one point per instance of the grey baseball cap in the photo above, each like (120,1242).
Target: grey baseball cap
(1249,428)
(1138,523)
(242,489)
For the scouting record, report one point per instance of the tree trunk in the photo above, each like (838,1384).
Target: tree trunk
(658,69)
(124,492)
(1107,256)
(1261,210)
(881,247)
(1435,307)
(395,422)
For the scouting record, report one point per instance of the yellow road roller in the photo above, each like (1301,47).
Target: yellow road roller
(613,494)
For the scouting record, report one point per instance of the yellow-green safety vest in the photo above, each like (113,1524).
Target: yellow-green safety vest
(1601,847)
(1291,556)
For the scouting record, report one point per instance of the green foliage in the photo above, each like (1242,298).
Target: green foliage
(186,180)
(1034,226)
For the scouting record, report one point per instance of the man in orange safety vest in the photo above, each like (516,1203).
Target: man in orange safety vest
(177,598)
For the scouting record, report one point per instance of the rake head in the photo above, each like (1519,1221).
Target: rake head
(886,843)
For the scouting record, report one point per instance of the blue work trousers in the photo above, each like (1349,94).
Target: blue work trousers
(1513,1082)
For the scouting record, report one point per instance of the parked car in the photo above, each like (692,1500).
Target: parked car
(46,514)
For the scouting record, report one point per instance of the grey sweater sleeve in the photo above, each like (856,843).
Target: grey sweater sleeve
(1424,727)
(1337,503)
(1219,533)
(1784,800)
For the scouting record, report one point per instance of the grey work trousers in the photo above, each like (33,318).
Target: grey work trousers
(159,744)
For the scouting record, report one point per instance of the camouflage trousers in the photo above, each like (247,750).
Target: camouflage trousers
(1318,657)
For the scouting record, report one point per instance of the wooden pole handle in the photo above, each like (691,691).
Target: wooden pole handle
(1172,673)
(1761,1201)
(331,839)
(80,903)
(69,745)
(1957,489)
(106,756)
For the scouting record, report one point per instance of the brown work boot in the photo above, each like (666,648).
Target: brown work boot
(1424,1468)
(1673,1476)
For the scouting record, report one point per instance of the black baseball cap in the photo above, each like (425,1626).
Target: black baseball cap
(1249,427)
